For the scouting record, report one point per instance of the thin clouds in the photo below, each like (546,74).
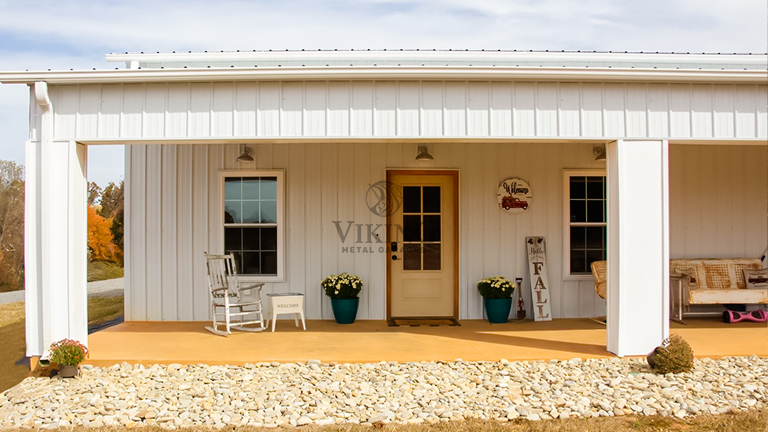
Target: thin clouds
(142,25)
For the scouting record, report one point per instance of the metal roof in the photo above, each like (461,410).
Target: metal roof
(442,58)
(415,65)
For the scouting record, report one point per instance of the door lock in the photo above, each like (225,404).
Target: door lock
(393,247)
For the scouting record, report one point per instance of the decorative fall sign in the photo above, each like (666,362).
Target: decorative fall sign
(537,260)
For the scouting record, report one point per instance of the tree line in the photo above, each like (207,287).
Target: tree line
(11,226)
(105,224)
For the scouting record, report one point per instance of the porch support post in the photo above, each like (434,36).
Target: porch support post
(55,235)
(638,246)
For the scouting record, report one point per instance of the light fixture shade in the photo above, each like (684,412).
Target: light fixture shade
(245,156)
(599,152)
(423,154)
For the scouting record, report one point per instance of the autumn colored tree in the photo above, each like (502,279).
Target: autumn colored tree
(11,226)
(112,207)
(94,193)
(100,246)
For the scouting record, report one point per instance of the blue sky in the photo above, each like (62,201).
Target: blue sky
(42,34)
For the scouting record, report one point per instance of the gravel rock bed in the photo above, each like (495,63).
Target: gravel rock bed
(295,394)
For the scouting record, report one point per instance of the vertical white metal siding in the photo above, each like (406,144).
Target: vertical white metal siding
(175,216)
(387,109)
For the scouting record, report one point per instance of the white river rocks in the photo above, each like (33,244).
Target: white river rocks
(295,394)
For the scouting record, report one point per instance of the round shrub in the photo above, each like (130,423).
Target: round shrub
(674,355)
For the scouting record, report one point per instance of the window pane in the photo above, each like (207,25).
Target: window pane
(578,261)
(251,188)
(578,188)
(595,211)
(232,212)
(232,188)
(250,212)
(232,237)
(268,239)
(251,200)
(412,257)
(238,261)
(431,199)
(268,211)
(578,238)
(412,228)
(595,187)
(578,211)
(269,188)
(251,263)
(595,238)
(269,263)
(411,199)
(250,239)
(432,228)
(592,256)
(432,256)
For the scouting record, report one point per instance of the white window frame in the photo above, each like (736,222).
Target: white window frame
(281,254)
(567,174)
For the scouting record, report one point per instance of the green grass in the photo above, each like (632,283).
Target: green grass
(103,270)
(103,309)
(14,347)
(100,310)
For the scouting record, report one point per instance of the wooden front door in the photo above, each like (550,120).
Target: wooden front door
(422,236)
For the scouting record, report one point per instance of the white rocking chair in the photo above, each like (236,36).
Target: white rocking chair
(227,305)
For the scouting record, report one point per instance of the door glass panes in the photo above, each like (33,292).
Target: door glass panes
(412,228)
(250,223)
(431,199)
(588,222)
(422,228)
(412,257)
(411,199)
(432,256)
(431,228)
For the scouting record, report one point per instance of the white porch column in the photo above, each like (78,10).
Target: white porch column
(638,246)
(55,235)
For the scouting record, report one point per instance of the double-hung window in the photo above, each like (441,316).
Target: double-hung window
(253,222)
(585,220)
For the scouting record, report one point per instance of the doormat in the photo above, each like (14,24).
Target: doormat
(416,322)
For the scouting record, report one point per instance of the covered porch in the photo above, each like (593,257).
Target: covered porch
(677,145)
(143,342)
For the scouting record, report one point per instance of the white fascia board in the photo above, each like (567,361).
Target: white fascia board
(386,73)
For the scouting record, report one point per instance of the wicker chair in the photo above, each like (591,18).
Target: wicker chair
(599,273)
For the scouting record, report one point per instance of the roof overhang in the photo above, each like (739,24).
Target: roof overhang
(444,73)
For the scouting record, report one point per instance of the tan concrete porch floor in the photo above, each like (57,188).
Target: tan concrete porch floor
(372,341)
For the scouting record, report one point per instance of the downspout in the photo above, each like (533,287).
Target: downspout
(46,133)
(41,96)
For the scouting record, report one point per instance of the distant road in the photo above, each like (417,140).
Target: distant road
(105,288)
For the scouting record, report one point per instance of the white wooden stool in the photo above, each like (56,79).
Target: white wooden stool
(287,303)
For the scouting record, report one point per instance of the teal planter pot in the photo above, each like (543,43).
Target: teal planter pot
(497,310)
(345,310)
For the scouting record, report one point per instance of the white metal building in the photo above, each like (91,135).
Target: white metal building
(686,176)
